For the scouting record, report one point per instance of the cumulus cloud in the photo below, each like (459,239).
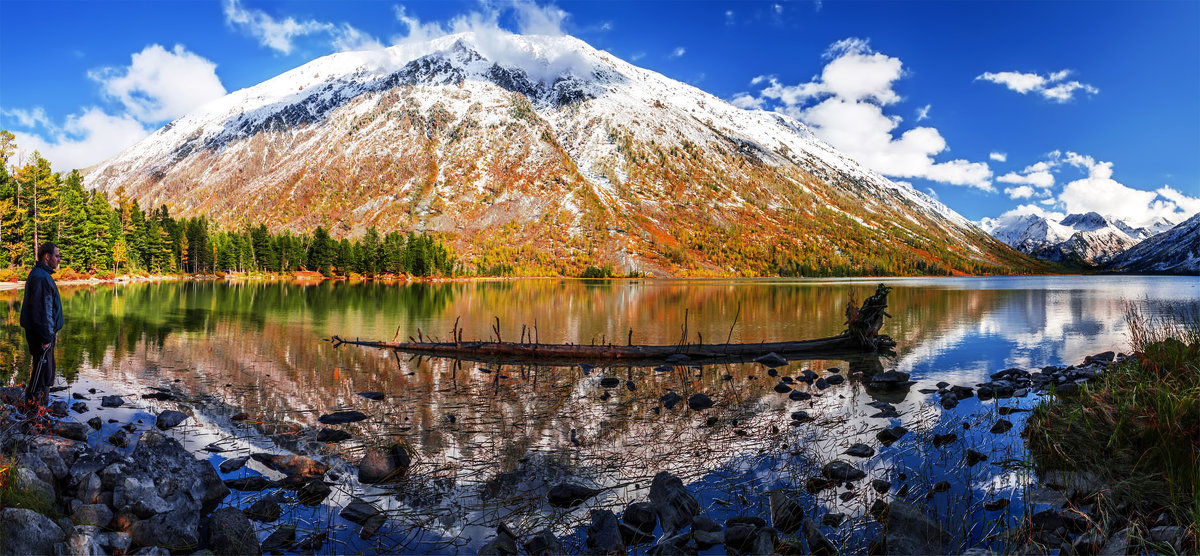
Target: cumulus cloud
(280,34)
(845,106)
(1096,191)
(1052,87)
(679,51)
(1037,175)
(1020,192)
(161,84)
(998,157)
(83,140)
(533,19)
(158,85)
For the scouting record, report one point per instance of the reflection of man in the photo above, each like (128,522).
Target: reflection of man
(42,318)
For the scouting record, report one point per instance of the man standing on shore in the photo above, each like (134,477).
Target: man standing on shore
(42,318)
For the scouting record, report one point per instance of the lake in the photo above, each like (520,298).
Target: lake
(489,440)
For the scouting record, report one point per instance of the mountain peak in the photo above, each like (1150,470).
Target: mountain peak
(546,150)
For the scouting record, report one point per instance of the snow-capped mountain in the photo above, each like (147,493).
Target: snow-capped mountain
(1175,251)
(1087,238)
(548,154)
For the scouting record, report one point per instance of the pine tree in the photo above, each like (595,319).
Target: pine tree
(320,252)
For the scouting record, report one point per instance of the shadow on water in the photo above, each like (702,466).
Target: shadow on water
(488,440)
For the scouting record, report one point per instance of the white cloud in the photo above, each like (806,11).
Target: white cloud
(923,112)
(1051,87)
(84,139)
(1021,192)
(679,51)
(533,19)
(747,101)
(280,34)
(1099,192)
(1189,205)
(28,118)
(1037,175)
(156,86)
(998,157)
(637,56)
(845,105)
(729,17)
(161,84)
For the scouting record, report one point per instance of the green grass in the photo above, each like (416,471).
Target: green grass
(1137,426)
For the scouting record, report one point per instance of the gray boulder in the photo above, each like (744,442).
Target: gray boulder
(169,419)
(910,531)
(27,532)
(177,530)
(229,532)
(674,505)
(786,514)
(603,533)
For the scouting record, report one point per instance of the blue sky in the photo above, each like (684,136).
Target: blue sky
(993,107)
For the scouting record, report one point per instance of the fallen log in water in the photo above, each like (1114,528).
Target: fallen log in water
(861,337)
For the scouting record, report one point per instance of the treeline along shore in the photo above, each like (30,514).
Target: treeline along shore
(102,238)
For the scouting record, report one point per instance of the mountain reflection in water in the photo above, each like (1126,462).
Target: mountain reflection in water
(489,440)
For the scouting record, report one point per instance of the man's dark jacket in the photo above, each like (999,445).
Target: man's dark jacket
(41,312)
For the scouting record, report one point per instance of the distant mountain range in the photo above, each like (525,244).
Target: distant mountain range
(544,154)
(1175,251)
(1088,239)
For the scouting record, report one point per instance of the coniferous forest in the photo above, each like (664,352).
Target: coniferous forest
(103,237)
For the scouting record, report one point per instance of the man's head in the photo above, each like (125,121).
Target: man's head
(48,255)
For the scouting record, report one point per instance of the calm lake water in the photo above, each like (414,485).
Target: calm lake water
(489,440)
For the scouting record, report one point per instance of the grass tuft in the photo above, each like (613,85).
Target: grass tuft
(1136,426)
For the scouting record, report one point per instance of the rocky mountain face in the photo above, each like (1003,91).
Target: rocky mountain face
(548,155)
(1175,251)
(1089,238)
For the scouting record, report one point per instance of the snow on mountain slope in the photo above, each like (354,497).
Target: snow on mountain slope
(1087,238)
(569,151)
(1175,251)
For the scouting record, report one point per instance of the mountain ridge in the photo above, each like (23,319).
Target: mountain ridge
(560,156)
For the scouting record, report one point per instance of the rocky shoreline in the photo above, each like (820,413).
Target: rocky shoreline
(148,494)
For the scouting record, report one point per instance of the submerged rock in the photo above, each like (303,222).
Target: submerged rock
(604,534)
(297,468)
(674,505)
(786,514)
(332,435)
(231,465)
(860,450)
(281,538)
(250,484)
(341,417)
(169,419)
(569,495)
(817,543)
(842,472)
(699,402)
(384,465)
(313,492)
(670,399)
(891,434)
(771,360)
(799,396)
(910,531)
(111,401)
(543,542)
(376,396)
(640,516)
